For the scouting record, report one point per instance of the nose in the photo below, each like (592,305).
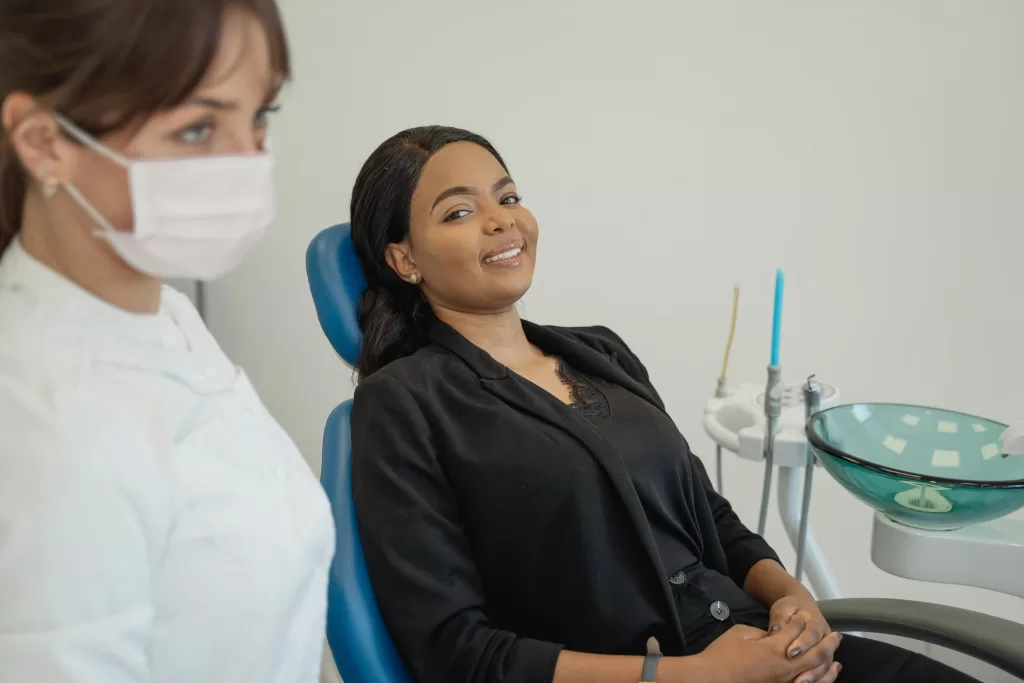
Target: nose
(244,145)
(253,143)
(499,220)
(243,139)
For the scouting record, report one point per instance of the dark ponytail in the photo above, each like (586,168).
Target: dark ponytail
(394,316)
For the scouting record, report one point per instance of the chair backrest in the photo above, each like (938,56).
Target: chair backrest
(358,637)
(336,282)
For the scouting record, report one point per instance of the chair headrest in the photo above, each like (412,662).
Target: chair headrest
(336,281)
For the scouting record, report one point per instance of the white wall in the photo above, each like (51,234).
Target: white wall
(874,150)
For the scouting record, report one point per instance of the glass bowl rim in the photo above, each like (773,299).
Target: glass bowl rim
(818,443)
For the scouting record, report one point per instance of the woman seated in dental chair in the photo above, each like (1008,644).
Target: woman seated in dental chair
(529,511)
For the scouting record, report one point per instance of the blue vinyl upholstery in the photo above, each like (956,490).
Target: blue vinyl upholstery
(358,637)
(336,282)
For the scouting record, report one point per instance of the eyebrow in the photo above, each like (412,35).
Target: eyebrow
(501,183)
(460,190)
(212,103)
(224,105)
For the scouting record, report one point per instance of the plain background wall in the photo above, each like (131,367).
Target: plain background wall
(874,150)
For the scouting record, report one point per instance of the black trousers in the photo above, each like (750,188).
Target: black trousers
(710,604)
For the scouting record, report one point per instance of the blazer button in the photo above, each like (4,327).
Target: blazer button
(720,610)
(677,579)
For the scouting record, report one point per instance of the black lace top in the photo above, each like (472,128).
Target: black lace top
(587,399)
(653,451)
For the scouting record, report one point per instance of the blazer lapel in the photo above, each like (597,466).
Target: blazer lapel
(515,390)
(587,359)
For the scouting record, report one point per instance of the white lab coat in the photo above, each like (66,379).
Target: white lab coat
(156,524)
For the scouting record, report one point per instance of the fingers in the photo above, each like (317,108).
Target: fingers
(820,654)
(815,674)
(780,615)
(789,633)
(825,673)
(810,637)
(748,632)
(833,673)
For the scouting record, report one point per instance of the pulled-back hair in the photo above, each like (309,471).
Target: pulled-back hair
(106,64)
(394,316)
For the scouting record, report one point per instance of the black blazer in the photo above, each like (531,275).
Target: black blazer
(500,527)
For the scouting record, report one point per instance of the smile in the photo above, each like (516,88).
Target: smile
(504,256)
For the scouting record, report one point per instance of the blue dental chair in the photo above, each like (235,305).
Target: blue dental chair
(356,632)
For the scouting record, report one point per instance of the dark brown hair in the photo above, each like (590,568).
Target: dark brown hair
(106,64)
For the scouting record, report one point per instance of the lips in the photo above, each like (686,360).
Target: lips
(506,252)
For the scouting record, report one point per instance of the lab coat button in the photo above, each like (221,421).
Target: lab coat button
(720,610)
(677,579)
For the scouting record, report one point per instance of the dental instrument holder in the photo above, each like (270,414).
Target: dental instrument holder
(772,411)
(812,399)
(736,422)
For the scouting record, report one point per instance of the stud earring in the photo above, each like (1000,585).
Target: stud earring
(414,278)
(49,185)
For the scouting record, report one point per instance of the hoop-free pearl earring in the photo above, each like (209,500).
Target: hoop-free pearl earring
(414,278)
(48,186)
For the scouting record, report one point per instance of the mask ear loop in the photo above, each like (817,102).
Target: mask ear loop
(89,141)
(95,145)
(91,210)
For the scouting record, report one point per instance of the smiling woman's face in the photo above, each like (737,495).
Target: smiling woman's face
(471,243)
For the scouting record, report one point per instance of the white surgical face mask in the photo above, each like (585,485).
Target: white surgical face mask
(194,218)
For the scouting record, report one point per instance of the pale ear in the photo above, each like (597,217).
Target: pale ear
(399,257)
(36,139)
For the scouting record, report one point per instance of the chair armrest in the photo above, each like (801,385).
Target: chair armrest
(996,641)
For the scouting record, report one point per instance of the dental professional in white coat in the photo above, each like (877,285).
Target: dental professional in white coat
(156,524)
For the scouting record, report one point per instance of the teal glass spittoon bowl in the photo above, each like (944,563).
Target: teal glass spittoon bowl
(923,467)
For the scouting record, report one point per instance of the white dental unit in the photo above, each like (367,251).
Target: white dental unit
(942,483)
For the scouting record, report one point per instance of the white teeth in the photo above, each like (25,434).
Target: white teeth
(511,253)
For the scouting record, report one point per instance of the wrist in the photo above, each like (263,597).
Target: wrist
(768,582)
(689,669)
(798,591)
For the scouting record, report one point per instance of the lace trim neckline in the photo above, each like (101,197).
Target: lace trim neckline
(585,398)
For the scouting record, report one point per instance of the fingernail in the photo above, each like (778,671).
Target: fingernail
(793,654)
(839,668)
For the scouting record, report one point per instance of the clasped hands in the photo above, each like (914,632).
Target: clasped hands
(798,648)
(815,631)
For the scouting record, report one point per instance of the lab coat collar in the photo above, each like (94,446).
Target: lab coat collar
(56,297)
(74,318)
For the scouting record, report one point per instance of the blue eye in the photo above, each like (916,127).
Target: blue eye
(196,134)
(456,215)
